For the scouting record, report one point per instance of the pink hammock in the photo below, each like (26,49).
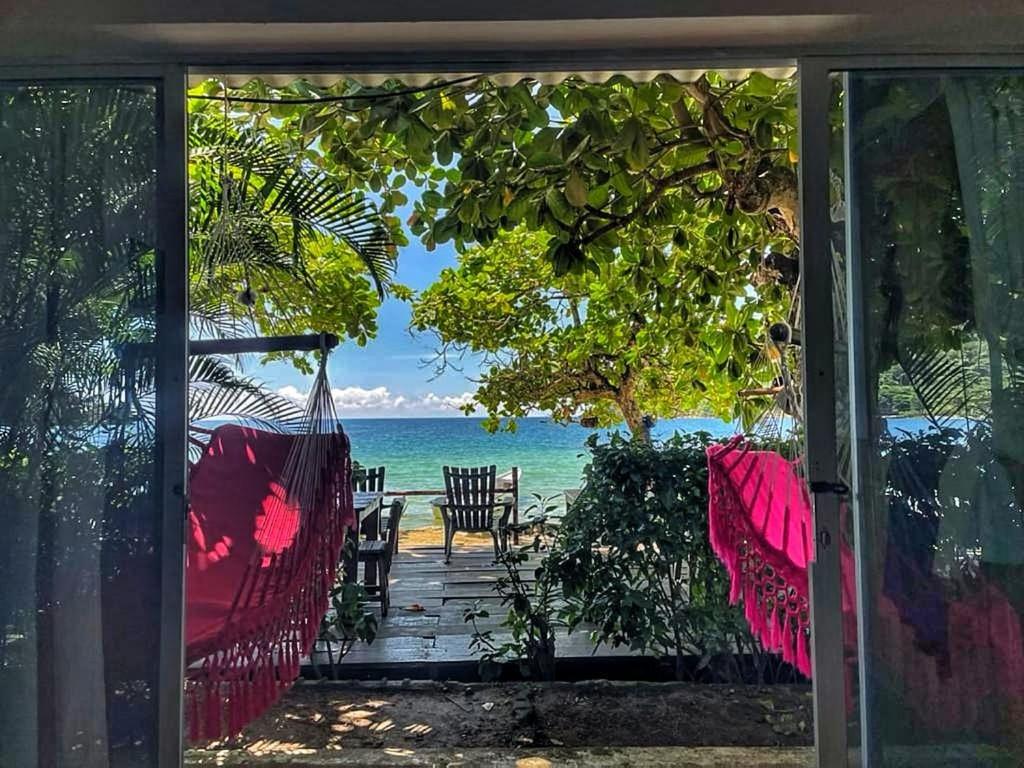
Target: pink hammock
(760,526)
(259,568)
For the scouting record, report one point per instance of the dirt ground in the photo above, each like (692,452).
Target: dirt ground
(426,715)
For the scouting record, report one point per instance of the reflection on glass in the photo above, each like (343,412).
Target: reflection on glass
(79,558)
(936,331)
(840,278)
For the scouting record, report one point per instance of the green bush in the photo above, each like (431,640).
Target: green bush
(634,556)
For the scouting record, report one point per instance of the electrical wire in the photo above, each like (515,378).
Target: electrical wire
(327,99)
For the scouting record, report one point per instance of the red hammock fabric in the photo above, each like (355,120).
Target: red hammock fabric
(258,573)
(760,525)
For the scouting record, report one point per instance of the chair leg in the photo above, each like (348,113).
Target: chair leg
(449,536)
(385,594)
(497,547)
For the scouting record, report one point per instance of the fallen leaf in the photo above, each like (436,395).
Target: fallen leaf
(414,608)
(487,706)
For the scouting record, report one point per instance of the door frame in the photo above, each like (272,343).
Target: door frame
(171,345)
(813,74)
(815,87)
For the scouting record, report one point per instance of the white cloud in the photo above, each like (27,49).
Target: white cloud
(381,401)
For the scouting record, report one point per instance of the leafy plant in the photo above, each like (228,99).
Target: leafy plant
(634,556)
(278,245)
(626,341)
(533,612)
(346,622)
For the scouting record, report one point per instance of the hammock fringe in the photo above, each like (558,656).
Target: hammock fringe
(772,592)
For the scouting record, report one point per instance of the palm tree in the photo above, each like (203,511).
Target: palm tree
(257,214)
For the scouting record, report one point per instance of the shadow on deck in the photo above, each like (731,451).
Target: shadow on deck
(434,643)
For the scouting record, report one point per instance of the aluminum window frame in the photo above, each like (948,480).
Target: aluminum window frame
(814,74)
(171,344)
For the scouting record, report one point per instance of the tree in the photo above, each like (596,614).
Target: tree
(634,557)
(686,189)
(603,345)
(278,246)
(586,162)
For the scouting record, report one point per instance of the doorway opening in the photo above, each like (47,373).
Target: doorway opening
(576,255)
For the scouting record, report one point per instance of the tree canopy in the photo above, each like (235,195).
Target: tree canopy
(278,245)
(679,197)
(603,346)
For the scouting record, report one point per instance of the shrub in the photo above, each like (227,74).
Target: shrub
(634,557)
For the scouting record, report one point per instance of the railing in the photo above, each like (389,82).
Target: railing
(508,483)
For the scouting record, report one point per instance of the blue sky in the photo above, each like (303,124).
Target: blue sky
(388,377)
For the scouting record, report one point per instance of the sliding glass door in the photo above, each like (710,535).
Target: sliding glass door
(91,375)
(922,227)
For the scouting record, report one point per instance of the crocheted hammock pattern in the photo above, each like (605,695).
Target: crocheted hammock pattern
(760,531)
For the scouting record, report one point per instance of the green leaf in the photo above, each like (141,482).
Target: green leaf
(559,206)
(759,84)
(576,190)
(689,155)
(540,160)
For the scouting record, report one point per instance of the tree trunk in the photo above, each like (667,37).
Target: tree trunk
(634,417)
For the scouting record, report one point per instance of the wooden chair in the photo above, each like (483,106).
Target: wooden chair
(470,505)
(378,555)
(372,480)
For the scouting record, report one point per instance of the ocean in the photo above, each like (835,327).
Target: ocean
(550,456)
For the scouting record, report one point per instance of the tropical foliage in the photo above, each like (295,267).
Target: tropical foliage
(682,194)
(634,556)
(603,345)
(278,246)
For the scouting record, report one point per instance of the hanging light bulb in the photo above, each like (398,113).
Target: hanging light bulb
(246,296)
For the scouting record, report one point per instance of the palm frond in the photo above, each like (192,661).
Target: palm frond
(270,197)
(217,391)
(945,383)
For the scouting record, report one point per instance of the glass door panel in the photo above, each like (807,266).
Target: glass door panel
(932,307)
(80,475)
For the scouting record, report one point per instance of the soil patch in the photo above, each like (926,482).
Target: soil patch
(423,714)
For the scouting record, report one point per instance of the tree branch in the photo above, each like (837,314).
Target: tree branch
(660,186)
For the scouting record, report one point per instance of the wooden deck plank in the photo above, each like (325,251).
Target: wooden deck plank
(439,634)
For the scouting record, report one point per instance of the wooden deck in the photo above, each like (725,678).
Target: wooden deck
(434,643)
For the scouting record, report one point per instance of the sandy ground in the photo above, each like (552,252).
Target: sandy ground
(431,715)
(433,535)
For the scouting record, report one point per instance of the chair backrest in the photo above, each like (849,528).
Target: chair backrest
(394,520)
(372,480)
(470,493)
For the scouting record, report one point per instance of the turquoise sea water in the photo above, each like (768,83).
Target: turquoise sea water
(551,456)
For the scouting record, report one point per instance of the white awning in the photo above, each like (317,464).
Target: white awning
(280,80)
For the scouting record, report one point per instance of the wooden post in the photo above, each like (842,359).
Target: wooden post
(515,505)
